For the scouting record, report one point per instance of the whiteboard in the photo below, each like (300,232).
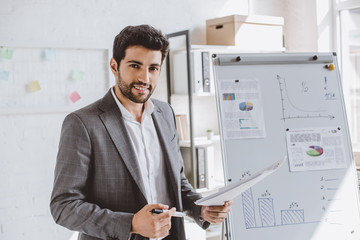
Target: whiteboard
(65,79)
(276,105)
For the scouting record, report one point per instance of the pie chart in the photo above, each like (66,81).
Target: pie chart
(315,151)
(246,106)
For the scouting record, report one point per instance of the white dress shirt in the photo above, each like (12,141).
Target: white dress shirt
(145,142)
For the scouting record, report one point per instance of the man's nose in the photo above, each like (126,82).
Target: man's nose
(144,76)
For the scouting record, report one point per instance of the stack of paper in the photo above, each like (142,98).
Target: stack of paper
(182,127)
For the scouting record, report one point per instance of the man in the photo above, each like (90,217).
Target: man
(119,157)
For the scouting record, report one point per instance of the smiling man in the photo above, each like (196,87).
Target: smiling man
(136,77)
(119,158)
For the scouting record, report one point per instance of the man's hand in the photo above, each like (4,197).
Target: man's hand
(216,214)
(152,225)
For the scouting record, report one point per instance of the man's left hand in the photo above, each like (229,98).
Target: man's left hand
(216,214)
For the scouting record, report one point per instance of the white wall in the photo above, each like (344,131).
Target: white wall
(325,25)
(300,26)
(28,142)
(307,25)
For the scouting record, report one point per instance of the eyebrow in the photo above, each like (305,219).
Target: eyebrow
(140,63)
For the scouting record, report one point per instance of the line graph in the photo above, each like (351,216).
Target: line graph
(288,104)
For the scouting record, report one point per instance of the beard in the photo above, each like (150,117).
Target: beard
(125,89)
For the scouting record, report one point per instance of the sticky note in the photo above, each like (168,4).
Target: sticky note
(74,96)
(4,75)
(6,53)
(33,86)
(77,75)
(49,54)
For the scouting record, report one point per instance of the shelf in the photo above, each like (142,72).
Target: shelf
(207,191)
(183,95)
(201,141)
(214,231)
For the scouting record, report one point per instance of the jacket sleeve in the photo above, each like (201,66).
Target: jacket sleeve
(69,206)
(188,193)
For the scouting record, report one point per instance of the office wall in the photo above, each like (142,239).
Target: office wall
(301,26)
(28,142)
(326,26)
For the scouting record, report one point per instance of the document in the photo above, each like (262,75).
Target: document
(315,149)
(242,109)
(234,189)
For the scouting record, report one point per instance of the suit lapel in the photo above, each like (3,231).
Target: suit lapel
(114,123)
(166,135)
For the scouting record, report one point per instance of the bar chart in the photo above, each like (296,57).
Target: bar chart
(266,213)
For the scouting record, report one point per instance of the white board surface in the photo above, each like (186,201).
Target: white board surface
(292,105)
(65,79)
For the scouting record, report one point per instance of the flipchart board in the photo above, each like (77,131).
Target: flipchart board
(289,105)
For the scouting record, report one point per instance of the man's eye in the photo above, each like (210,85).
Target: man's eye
(154,69)
(134,66)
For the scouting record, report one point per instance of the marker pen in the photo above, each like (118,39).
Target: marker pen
(176,214)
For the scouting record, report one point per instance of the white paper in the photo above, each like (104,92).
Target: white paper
(233,190)
(315,149)
(242,109)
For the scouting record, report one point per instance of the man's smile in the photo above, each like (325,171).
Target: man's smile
(141,88)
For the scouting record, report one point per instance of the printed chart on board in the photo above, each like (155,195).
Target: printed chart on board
(276,105)
(241,118)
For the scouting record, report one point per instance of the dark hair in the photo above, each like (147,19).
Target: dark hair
(143,35)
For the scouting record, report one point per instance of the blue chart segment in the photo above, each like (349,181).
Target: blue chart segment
(267,214)
(292,216)
(249,209)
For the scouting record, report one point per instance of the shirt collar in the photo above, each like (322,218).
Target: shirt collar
(148,108)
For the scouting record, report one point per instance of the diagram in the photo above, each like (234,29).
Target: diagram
(289,106)
(266,210)
(260,212)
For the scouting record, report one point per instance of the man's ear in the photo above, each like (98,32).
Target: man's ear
(114,66)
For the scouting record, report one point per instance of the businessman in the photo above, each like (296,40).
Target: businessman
(119,158)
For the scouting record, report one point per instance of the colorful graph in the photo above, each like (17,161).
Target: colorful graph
(315,151)
(246,106)
(228,96)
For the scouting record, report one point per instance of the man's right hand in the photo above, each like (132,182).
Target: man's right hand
(152,225)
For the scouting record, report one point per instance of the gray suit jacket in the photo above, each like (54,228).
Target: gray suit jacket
(98,185)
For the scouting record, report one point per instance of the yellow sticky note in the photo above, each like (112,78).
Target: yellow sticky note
(33,86)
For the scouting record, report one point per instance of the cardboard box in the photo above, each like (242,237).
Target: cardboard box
(357,160)
(251,33)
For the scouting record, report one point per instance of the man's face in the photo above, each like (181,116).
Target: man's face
(138,73)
